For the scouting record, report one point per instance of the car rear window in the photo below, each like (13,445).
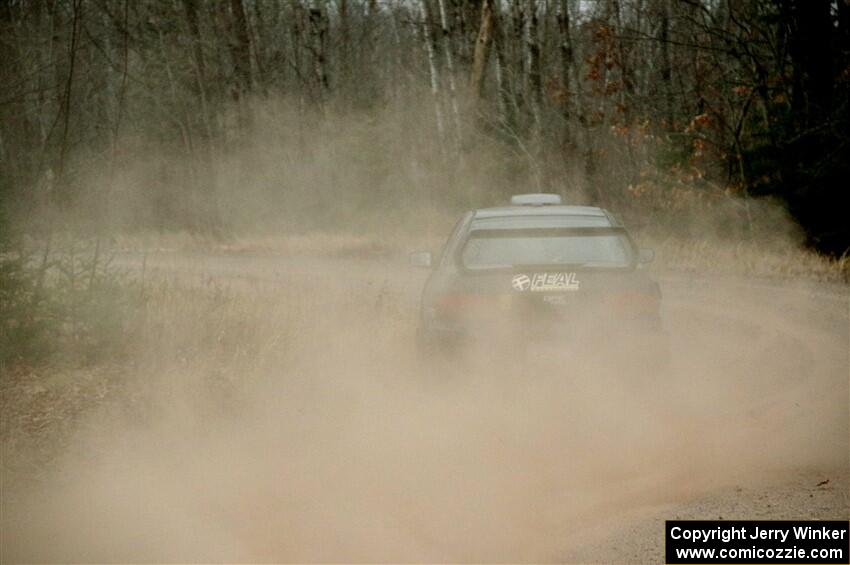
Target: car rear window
(494,249)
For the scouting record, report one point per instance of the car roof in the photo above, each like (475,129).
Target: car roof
(551,216)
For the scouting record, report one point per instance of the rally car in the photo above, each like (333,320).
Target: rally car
(539,271)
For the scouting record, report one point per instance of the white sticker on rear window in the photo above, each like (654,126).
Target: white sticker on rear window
(546,282)
(521,282)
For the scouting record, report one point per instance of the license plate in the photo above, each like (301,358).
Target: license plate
(555,299)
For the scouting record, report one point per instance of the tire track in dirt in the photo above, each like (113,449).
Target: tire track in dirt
(360,453)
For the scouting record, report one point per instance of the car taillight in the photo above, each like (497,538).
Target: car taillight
(634,304)
(455,305)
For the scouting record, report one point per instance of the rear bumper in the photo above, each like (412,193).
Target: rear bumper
(612,332)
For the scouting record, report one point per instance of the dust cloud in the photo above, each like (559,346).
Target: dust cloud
(323,436)
(275,407)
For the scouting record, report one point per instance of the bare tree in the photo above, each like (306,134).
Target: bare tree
(729,90)
(483,46)
(433,72)
(319,38)
(533,78)
(445,40)
(240,48)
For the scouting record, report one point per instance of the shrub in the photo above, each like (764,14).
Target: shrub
(68,305)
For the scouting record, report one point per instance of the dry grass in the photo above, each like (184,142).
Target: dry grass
(747,259)
(252,417)
(218,334)
(318,244)
(210,341)
(756,259)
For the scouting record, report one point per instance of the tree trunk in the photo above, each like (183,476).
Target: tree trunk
(344,57)
(626,91)
(76,23)
(445,38)
(565,45)
(319,36)
(534,84)
(240,48)
(482,49)
(191,9)
(666,66)
(430,48)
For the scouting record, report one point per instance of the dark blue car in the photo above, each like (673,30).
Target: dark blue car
(539,271)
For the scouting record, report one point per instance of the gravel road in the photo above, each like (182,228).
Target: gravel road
(758,413)
(363,455)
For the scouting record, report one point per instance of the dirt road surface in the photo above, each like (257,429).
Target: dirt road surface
(360,452)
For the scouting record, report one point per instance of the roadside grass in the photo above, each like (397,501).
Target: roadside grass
(199,350)
(319,243)
(118,339)
(205,353)
(747,258)
(68,306)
